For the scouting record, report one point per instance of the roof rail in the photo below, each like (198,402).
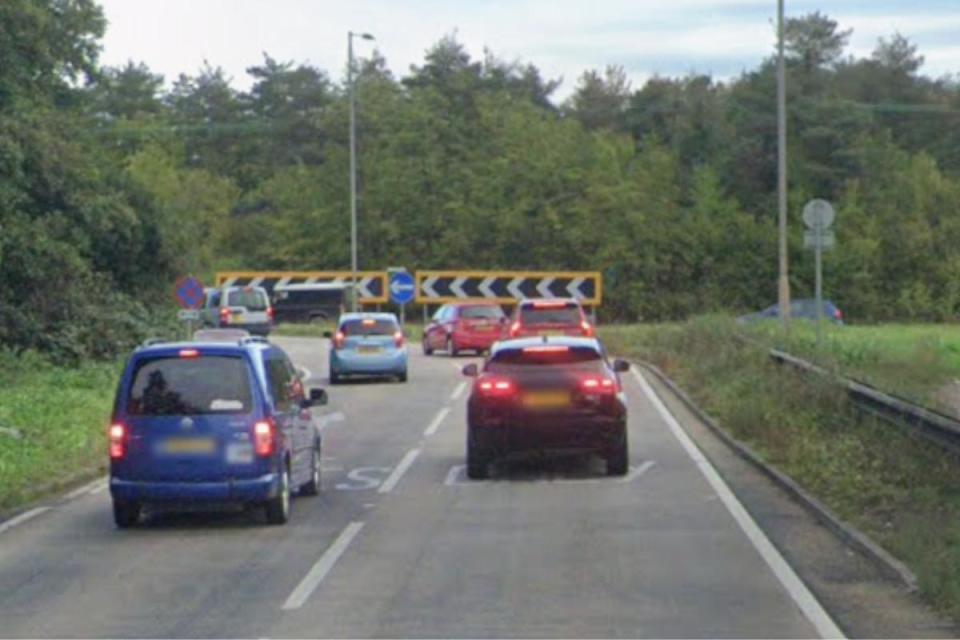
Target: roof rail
(253,339)
(149,342)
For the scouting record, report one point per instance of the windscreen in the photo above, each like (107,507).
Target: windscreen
(369,327)
(566,357)
(568,314)
(490,312)
(190,386)
(251,299)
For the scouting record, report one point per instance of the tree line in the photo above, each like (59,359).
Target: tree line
(114,181)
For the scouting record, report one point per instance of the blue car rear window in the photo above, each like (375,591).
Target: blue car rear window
(369,327)
(172,386)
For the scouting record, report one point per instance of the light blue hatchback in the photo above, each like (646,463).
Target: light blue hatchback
(368,344)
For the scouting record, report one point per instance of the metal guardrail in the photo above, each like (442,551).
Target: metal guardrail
(937,427)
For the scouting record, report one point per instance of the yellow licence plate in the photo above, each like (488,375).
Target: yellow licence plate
(237,318)
(546,399)
(189,445)
(553,332)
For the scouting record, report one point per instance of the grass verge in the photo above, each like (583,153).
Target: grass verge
(60,415)
(902,491)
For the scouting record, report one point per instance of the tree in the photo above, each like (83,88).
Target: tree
(599,101)
(814,41)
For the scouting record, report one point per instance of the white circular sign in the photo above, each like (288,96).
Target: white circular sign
(818,214)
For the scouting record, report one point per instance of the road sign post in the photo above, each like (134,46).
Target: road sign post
(402,289)
(819,215)
(189,293)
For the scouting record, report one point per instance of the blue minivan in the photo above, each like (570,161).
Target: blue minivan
(204,423)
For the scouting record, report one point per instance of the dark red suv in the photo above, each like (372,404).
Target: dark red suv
(550,317)
(465,326)
(546,394)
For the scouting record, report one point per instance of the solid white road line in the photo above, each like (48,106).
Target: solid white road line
(391,482)
(322,567)
(459,390)
(798,591)
(99,488)
(85,489)
(23,517)
(636,472)
(435,423)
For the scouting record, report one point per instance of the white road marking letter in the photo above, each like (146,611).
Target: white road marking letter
(322,567)
(453,476)
(364,478)
(394,478)
(781,569)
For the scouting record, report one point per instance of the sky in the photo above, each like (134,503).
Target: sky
(563,38)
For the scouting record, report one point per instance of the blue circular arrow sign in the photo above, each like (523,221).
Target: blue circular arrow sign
(402,288)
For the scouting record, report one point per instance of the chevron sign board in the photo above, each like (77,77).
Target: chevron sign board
(371,285)
(506,287)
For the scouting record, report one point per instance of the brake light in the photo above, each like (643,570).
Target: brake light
(225,315)
(552,348)
(270,313)
(398,338)
(496,387)
(117,441)
(549,304)
(598,385)
(264,438)
(587,328)
(189,353)
(515,329)
(338,340)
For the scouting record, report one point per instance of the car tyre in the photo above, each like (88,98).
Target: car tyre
(451,348)
(312,487)
(335,378)
(402,377)
(478,461)
(278,509)
(427,351)
(126,514)
(618,460)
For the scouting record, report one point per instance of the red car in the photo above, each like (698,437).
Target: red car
(465,326)
(546,395)
(549,317)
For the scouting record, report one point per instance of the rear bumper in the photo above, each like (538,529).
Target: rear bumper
(237,490)
(548,433)
(474,341)
(345,363)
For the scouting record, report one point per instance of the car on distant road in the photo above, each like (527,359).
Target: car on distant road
(308,302)
(549,317)
(546,394)
(803,308)
(368,344)
(238,307)
(464,326)
(211,423)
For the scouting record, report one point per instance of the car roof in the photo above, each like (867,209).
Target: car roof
(242,345)
(311,286)
(527,301)
(360,315)
(475,303)
(539,341)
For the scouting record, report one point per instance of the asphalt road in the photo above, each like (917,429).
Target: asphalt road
(400,544)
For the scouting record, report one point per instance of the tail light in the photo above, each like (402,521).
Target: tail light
(496,387)
(398,338)
(598,385)
(338,340)
(270,314)
(587,328)
(838,314)
(224,315)
(117,435)
(515,329)
(189,353)
(264,438)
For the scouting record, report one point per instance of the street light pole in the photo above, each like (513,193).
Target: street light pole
(353,167)
(784,282)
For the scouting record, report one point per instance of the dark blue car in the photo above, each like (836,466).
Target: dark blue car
(804,308)
(204,423)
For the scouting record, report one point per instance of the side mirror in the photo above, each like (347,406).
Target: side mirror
(318,398)
(471,370)
(621,366)
(328,334)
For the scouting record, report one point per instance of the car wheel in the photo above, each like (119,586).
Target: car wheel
(278,509)
(451,349)
(618,460)
(312,487)
(335,378)
(126,514)
(402,377)
(318,319)
(478,461)
(427,351)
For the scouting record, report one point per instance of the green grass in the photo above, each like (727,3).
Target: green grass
(62,414)
(920,362)
(902,491)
